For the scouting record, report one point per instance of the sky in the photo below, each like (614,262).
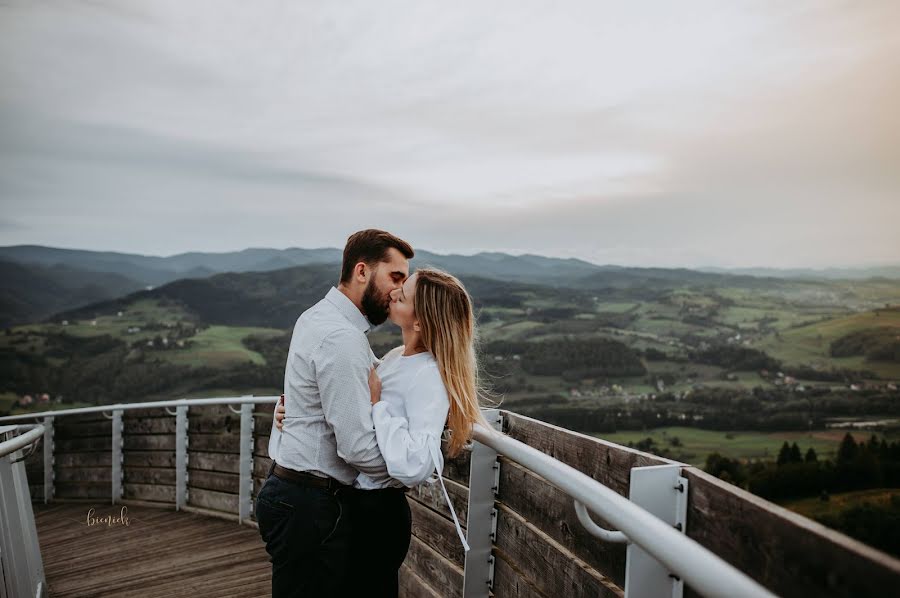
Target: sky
(730,134)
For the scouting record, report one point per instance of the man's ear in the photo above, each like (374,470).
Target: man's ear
(361,272)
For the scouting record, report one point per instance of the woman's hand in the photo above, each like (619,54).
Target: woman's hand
(279,414)
(374,386)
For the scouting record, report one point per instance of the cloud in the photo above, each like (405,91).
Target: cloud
(704,135)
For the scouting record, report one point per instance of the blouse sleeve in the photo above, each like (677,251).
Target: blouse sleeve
(408,444)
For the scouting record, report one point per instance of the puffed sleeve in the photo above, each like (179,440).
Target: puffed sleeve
(408,444)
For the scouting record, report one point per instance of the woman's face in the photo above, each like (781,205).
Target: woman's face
(402,313)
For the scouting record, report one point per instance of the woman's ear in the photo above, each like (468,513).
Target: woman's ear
(416,326)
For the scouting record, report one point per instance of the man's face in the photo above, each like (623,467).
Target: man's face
(386,276)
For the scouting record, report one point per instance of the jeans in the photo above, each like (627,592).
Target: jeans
(382,526)
(307,532)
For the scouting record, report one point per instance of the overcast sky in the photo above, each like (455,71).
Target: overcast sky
(654,133)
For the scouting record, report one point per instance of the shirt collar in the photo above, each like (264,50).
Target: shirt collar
(348,309)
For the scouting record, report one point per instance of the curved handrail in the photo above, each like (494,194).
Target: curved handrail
(21,441)
(595,530)
(147,405)
(704,571)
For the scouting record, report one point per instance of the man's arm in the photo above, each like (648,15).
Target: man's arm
(342,371)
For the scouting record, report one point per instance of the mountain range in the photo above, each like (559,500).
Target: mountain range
(39,281)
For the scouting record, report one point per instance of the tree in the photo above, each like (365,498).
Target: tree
(811,456)
(848,449)
(795,456)
(784,455)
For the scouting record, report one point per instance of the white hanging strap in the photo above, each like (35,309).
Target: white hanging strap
(436,458)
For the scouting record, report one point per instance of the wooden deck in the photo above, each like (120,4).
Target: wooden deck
(160,553)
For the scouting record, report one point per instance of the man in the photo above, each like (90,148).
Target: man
(328,437)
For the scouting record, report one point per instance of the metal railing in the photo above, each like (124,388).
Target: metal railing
(660,558)
(21,567)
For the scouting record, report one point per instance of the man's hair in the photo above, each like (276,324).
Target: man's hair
(370,246)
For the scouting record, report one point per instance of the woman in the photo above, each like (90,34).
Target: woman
(418,388)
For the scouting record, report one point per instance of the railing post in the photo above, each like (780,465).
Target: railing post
(661,490)
(117,456)
(481,525)
(246,464)
(181,456)
(21,566)
(49,460)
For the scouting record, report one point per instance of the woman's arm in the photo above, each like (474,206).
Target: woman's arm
(409,444)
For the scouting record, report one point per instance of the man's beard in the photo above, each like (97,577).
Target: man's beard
(375,307)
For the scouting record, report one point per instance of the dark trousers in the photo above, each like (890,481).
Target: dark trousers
(307,532)
(382,526)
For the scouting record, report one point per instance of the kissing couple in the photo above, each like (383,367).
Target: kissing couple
(354,433)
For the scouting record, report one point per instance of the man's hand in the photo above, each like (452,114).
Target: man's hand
(279,414)
(374,386)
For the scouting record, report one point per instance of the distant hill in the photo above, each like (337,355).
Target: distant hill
(58,280)
(30,293)
(273,299)
(891,272)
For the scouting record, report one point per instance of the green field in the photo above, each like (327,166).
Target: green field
(697,443)
(219,346)
(815,507)
(810,344)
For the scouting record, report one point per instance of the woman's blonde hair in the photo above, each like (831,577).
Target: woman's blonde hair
(447,321)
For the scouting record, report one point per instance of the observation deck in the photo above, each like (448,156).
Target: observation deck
(547,512)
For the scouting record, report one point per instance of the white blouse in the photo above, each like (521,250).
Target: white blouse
(409,421)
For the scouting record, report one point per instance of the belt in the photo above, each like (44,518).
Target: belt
(306,479)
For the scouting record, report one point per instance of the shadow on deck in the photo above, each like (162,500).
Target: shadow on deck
(160,553)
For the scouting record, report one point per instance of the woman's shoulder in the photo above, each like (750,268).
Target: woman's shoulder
(428,374)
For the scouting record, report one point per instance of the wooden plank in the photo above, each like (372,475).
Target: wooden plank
(151,412)
(553,512)
(148,425)
(457,469)
(84,474)
(262,424)
(261,446)
(434,569)
(149,459)
(226,423)
(103,459)
(81,430)
(437,532)
(100,490)
(150,475)
(432,497)
(224,462)
(216,501)
(789,554)
(218,443)
(149,442)
(413,586)
(211,480)
(510,583)
(150,492)
(75,445)
(261,467)
(608,463)
(192,555)
(546,564)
